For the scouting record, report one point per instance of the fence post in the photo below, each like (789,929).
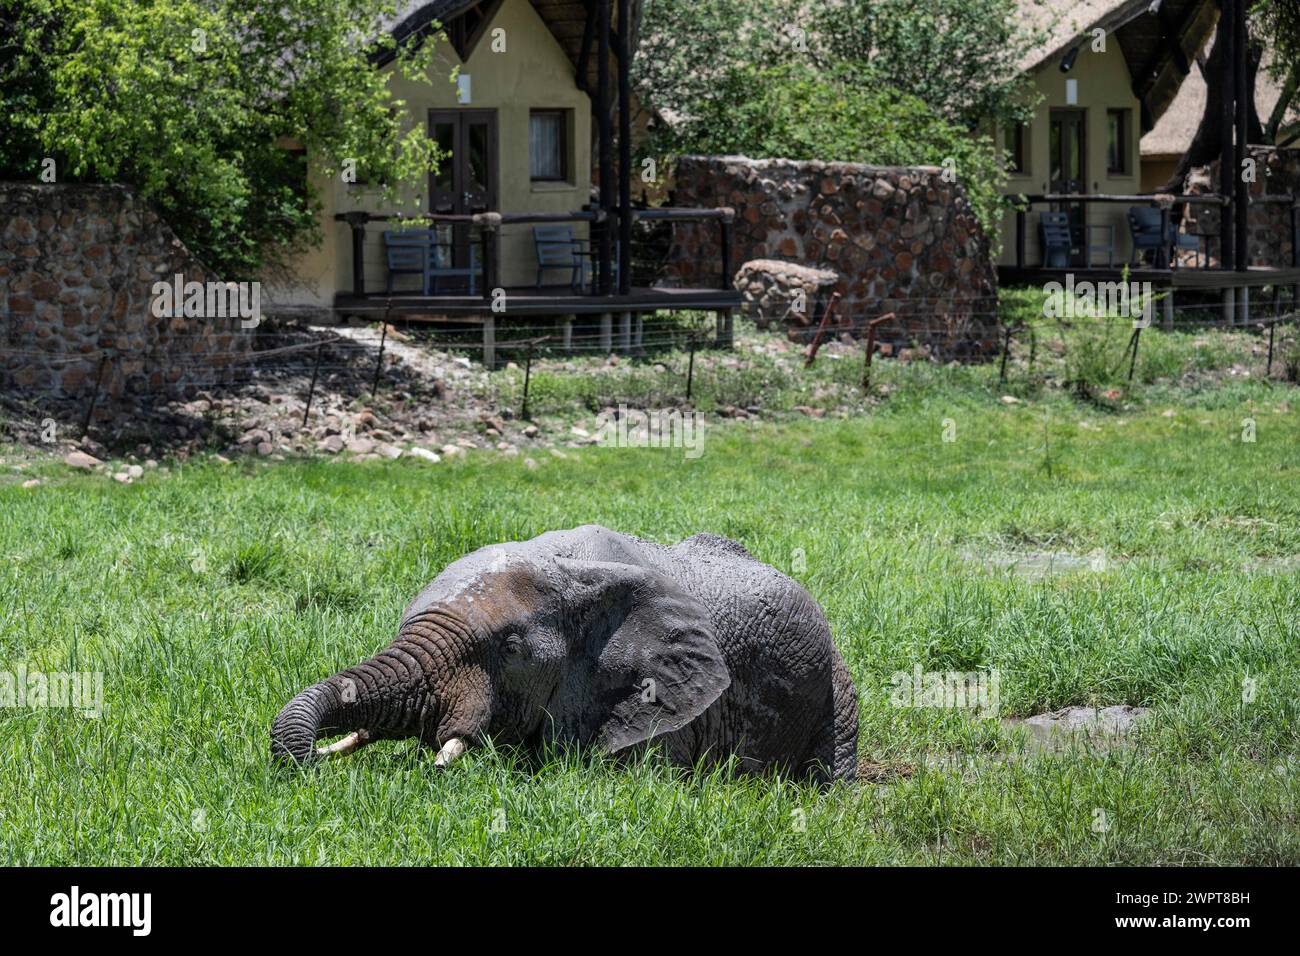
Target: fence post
(1006,348)
(816,344)
(1137,337)
(311,389)
(690,369)
(871,348)
(94,395)
(379,363)
(528,374)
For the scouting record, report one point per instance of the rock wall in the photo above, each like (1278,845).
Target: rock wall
(77,269)
(901,238)
(1270,238)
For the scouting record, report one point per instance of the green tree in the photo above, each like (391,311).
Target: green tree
(793,113)
(962,57)
(767,79)
(209,108)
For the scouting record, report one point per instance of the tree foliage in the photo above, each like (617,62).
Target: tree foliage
(962,57)
(208,107)
(875,81)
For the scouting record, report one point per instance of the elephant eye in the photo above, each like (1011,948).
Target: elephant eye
(512,645)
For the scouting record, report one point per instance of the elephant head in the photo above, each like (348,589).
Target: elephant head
(521,644)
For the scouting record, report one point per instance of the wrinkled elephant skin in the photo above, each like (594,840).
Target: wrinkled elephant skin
(599,638)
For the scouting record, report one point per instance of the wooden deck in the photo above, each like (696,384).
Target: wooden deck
(547,301)
(559,304)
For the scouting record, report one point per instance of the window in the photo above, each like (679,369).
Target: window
(548,146)
(1014,136)
(1117,142)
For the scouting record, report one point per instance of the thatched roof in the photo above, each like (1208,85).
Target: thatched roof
(1158,47)
(566,19)
(1176,129)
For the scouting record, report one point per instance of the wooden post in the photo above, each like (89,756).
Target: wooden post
(1162,252)
(725,244)
(606,135)
(624,149)
(606,330)
(1241,87)
(568,334)
(728,330)
(1243,305)
(490,341)
(1295,251)
(357,222)
(489,240)
(625,332)
(1020,237)
(1224,40)
(1229,313)
(638,330)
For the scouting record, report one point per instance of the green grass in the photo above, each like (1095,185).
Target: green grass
(209,596)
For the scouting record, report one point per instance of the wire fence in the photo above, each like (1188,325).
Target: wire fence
(661,359)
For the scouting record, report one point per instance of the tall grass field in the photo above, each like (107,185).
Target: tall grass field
(1142,554)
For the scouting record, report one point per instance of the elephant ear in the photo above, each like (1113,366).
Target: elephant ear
(643,661)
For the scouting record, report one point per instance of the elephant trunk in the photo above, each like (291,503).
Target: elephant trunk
(386,696)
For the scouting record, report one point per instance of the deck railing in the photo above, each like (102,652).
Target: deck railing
(1021,203)
(489,225)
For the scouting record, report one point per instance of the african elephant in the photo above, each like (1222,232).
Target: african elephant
(600,638)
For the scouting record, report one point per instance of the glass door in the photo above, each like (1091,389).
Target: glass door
(465,182)
(1068,170)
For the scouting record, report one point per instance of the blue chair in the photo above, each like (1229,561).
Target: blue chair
(1144,225)
(1054,232)
(408,253)
(558,249)
(425,253)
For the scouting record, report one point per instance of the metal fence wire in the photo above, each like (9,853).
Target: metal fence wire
(298,357)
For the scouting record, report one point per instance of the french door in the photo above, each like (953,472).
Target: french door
(1069,172)
(465,182)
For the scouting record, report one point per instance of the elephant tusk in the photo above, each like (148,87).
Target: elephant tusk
(449,752)
(345,746)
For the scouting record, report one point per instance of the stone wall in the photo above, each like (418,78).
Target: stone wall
(1270,239)
(77,269)
(901,239)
